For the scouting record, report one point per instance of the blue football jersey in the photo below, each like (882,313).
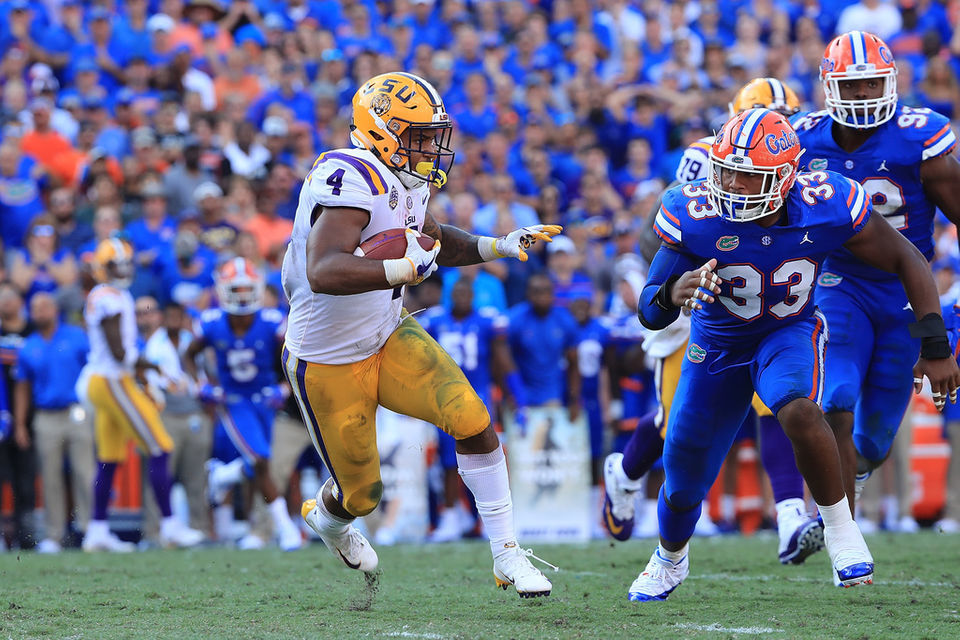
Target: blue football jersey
(468,341)
(888,167)
(768,273)
(245,364)
(592,338)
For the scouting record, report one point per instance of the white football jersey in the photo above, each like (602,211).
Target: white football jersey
(341,329)
(693,162)
(105,301)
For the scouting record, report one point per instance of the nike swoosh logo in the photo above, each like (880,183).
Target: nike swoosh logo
(614,529)
(422,269)
(347,562)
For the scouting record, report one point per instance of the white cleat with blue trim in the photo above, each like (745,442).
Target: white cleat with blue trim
(659,578)
(849,555)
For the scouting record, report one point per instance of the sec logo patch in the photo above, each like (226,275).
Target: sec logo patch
(696,353)
(728,243)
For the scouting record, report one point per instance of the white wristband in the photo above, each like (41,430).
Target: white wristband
(399,271)
(487,247)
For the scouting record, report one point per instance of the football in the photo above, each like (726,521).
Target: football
(390,244)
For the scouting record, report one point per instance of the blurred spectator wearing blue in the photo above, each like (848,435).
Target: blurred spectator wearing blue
(543,342)
(43,266)
(593,339)
(46,373)
(21,183)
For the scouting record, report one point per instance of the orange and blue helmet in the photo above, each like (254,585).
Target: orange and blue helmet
(391,112)
(239,287)
(859,55)
(759,142)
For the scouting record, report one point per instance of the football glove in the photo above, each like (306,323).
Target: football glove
(515,243)
(210,394)
(415,266)
(275,396)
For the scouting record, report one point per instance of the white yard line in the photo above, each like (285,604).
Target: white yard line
(411,634)
(716,627)
(742,578)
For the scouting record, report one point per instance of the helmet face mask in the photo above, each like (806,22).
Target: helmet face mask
(859,56)
(120,272)
(753,164)
(401,119)
(239,288)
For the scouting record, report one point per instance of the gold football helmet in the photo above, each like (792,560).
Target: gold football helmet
(391,114)
(766,93)
(113,263)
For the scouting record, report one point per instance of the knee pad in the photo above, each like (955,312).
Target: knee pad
(361,501)
(466,415)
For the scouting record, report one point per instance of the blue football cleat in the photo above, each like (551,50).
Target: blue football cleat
(859,573)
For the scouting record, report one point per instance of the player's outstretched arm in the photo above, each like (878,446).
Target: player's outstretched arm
(880,245)
(940,177)
(674,282)
(333,269)
(459,248)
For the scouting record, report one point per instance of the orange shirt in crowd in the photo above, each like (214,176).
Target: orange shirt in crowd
(186,33)
(248,87)
(269,232)
(45,147)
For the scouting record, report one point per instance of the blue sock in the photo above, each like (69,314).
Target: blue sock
(644,447)
(160,481)
(676,526)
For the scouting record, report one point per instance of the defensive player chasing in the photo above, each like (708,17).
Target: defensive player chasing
(246,339)
(902,157)
(123,411)
(799,534)
(743,249)
(350,345)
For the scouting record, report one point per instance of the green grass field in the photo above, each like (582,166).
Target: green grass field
(736,590)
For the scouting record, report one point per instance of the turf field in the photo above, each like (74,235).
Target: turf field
(737,590)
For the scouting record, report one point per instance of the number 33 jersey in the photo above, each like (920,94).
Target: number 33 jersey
(888,167)
(330,329)
(768,273)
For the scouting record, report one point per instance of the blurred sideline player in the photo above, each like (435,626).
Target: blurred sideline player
(476,340)
(123,411)
(349,344)
(902,157)
(799,535)
(754,327)
(246,339)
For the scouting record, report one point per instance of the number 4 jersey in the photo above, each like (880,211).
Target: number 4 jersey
(330,329)
(768,273)
(888,167)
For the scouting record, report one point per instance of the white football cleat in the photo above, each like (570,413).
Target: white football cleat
(48,546)
(512,566)
(800,536)
(946,525)
(450,526)
(100,538)
(251,542)
(350,546)
(289,538)
(176,535)
(907,524)
(619,498)
(849,555)
(659,578)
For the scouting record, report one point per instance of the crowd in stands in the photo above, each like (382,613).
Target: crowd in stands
(187,127)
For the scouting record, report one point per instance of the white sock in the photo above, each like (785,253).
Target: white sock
(835,515)
(891,510)
(673,556)
(223,521)
(330,523)
(485,475)
(278,510)
(231,473)
(98,528)
(168,523)
(728,507)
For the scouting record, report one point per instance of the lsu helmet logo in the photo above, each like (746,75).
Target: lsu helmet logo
(728,243)
(778,144)
(696,353)
(380,104)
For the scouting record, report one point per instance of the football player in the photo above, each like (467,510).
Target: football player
(799,534)
(902,157)
(476,340)
(247,340)
(123,411)
(350,345)
(742,250)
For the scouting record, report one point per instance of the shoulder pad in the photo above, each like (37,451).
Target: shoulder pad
(340,178)
(807,121)
(929,129)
